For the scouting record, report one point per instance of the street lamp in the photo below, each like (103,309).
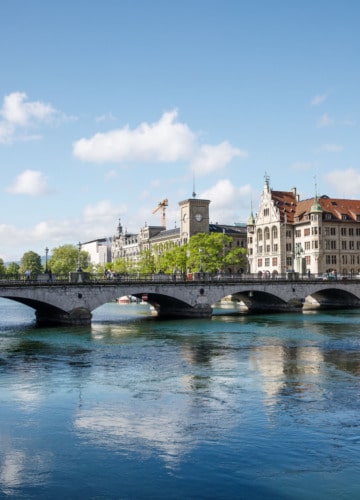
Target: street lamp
(46,260)
(79,270)
(200,254)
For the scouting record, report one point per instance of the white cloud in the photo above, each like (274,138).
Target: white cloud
(17,112)
(213,158)
(164,141)
(167,140)
(325,121)
(30,182)
(227,201)
(102,212)
(345,183)
(318,99)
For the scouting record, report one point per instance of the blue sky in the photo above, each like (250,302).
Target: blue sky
(108,107)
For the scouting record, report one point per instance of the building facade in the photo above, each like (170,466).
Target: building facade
(313,236)
(194,219)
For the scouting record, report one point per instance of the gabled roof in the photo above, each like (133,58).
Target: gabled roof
(286,202)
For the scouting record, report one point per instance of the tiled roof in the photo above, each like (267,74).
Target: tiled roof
(286,202)
(340,209)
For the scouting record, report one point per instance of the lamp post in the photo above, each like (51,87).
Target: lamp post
(46,260)
(79,270)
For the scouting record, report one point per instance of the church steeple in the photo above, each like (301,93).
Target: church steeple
(119,229)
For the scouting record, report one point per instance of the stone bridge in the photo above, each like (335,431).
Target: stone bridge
(64,302)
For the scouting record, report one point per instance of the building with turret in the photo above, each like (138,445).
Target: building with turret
(314,236)
(194,219)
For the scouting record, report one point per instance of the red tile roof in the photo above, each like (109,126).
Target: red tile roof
(340,209)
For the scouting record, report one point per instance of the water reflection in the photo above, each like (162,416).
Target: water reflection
(222,406)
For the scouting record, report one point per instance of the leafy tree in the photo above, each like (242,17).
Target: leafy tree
(176,258)
(2,268)
(213,252)
(13,269)
(65,259)
(121,266)
(146,263)
(236,258)
(31,261)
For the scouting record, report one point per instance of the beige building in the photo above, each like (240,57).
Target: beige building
(194,219)
(318,235)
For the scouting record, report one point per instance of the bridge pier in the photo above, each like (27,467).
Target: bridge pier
(198,311)
(78,316)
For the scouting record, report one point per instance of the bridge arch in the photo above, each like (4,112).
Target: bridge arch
(73,303)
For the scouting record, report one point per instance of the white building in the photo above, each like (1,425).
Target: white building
(316,235)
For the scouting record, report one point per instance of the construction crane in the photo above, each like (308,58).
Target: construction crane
(162,206)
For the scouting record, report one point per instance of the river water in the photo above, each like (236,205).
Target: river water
(243,407)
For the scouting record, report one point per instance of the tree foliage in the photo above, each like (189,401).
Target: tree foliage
(2,267)
(13,269)
(31,261)
(65,259)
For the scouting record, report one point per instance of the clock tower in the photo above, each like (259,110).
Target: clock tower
(194,218)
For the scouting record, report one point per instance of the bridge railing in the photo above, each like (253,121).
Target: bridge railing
(197,277)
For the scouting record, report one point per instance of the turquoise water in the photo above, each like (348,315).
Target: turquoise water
(132,407)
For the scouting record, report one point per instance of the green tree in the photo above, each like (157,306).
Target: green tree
(213,252)
(121,266)
(65,259)
(31,261)
(176,258)
(13,270)
(146,263)
(2,268)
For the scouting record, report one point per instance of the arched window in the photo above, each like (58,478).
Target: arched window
(266,233)
(274,231)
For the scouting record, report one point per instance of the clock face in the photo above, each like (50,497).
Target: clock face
(185,217)
(198,217)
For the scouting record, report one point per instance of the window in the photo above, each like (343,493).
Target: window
(259,262)
(351,231)
(343,231)
(298,233)
(266,212)
(275,247)
(351,245)
(274,261)
(288,247)
(267,262)
(308,260)
(307,231)
(274,232)
(266,233)
(343,245)
(307,245)
(333,231)
(314,230)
